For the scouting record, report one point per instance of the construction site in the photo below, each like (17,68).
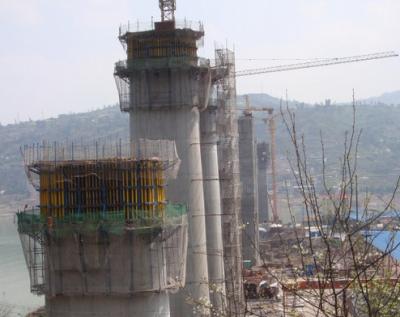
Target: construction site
(183,218)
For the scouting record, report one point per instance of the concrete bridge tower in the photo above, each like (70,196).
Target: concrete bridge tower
(164,86)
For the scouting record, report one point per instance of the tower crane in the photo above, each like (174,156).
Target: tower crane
(168,8)
(270,120)
(317,63)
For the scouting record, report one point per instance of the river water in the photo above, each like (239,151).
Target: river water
(14,278)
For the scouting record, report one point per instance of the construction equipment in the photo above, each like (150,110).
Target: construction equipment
(316,63)
(168,8)
(270,121)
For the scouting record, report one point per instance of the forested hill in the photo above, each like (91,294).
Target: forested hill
(378,156)
(379,147)
(88,126)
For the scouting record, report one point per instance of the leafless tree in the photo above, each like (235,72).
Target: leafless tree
(339,272)
(5,310)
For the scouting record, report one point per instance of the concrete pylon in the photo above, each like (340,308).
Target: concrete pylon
(249,181)
(150,304)
(119,253)
(213,210)
(182,126)
(110,290)
(262,162)
(168,86)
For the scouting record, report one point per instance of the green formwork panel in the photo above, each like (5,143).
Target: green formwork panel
(175,210)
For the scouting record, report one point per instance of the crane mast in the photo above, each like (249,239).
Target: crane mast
(167,8)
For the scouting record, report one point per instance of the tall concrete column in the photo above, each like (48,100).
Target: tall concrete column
(101,274)
(248,178)
(163,85)
(213,210)
(262,160)
(145,304)
(182,126)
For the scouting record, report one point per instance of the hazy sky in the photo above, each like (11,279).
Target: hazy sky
(57,56)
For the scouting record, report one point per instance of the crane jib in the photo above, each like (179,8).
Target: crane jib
(318,63)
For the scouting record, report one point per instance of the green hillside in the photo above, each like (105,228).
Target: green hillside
(83,126)
(379,150)
(378,155)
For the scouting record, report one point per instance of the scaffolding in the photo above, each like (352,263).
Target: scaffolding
(162,69)
(128,72)
(34,256)
(104,224)
(228,156)
(140,26)
(55,248)
(162,39)
(54,154)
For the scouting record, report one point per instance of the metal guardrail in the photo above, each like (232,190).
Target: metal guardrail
(150,26)
(124,65)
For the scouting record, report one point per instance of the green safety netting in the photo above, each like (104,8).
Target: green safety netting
(114,222)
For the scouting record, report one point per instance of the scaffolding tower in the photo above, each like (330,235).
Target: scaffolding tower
(228,157)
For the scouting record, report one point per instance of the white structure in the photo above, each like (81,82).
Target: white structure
(164,86)
(213,210)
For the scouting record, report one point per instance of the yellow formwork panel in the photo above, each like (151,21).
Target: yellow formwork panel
(164,46)
(135,187)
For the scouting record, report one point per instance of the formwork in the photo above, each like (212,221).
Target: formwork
(94,186)
(104,226)
(162,69)
(162,39)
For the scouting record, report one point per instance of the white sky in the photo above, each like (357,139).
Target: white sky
(57,56)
